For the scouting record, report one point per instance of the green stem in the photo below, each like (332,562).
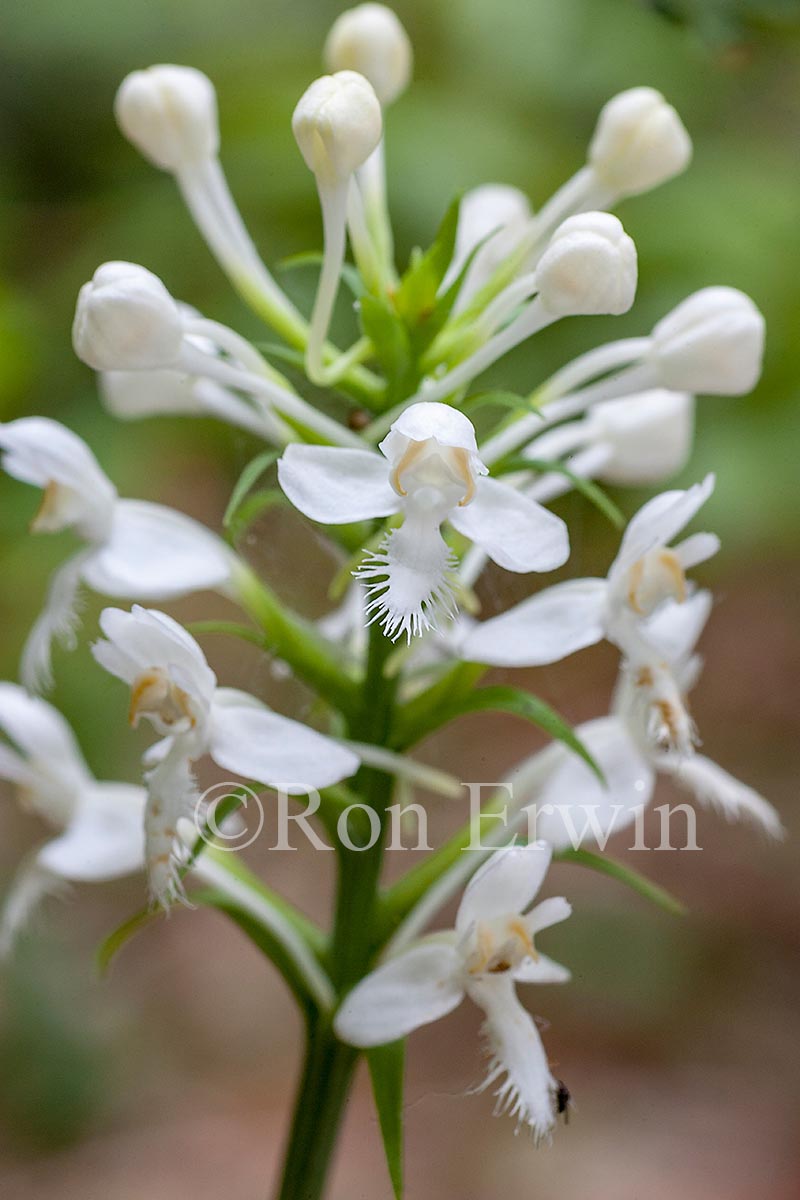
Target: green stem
(298,642)
(329,1065)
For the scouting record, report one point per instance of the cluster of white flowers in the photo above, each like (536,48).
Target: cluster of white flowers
(427,493)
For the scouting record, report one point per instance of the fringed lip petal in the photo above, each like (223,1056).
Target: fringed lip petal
(515,531)
(716,789)
(518,1063)
(337,486)
(544,629)
(411,990)
(506,883)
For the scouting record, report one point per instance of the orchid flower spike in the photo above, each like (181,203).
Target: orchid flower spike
(647,571)
(428,472)
(98,826)
(173,687)
(337,125)
(490,950)
(133,548)
(169,113)
(589,268)
(573,807)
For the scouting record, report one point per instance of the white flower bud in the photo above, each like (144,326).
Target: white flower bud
(126,320)
(649,436)
(589,267)
(170,115)
(713,342)
(370,39)
(639,142)
(337,124)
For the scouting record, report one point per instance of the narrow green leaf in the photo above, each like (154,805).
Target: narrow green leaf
(390,338)
(510,400)
(251,473)
(415,298)
(110,947)
(502,699)
(288,354)
(624,874)
(386,1068)
(253,507)
(587,487)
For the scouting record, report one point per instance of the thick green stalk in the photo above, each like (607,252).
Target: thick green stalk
(329,1065)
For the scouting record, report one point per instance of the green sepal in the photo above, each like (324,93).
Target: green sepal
(386,1069)
(624,874)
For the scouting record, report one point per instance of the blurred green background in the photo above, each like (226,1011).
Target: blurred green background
(679,1039)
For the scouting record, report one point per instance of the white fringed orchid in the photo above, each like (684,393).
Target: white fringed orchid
(99,825)
(429,473)
(490,950)
(134,549)
(573,806)
(646,572)
(173,687)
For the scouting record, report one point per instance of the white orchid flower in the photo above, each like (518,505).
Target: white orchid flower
(173,687)
(134,549)
(99,825)
(429,472)
(646,572)
(573,806)
(490,950)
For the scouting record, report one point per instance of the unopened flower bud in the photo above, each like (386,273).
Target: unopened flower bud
(639,142)
(170,114)
(337,124)
(126,320)
(713,342)
(589,267)
(370,39)
(649,436)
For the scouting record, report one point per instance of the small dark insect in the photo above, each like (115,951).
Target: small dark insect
(357,419)
(563,1100)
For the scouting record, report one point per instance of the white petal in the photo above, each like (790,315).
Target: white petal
(514,530)
(674,629)
(145,638)
(697,549)
(429,419)
(505,884)
(659,521)
(106,838)
(518,1061)
(583,810)
(249,740)
(155,553)
(718,790)
(40,451)
(543,629)
(40,732)
(541,970)
(335,485)
(408,991)
(549,912)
